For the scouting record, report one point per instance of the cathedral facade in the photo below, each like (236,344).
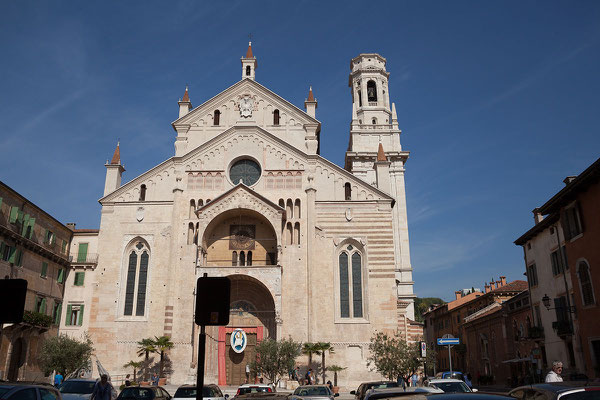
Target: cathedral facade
(314,251)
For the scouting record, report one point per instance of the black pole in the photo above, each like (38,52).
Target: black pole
(201,357)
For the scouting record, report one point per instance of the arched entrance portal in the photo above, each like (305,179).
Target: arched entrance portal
(253,311)
(17,359)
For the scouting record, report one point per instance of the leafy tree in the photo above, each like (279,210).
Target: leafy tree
(423,303)
(145,347)
(65,354)
(394,358)
(275,359)
(322,348)
(135,365)
(162,344)
(310,348)
(335,369)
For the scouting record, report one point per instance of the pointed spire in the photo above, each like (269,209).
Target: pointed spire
(394,115)
(381,154)
(249,51)
(311,97)
(116,159)
(186,96)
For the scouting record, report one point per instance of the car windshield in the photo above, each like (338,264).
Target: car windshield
(81,387)
(190,392)
(312,391)
(136,393)
(383,385)
(253,389)
(452,387)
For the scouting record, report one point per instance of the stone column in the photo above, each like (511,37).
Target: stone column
(311,194)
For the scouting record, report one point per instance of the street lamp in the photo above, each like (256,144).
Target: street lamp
(546,301)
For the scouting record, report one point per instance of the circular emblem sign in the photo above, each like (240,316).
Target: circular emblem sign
(238,340)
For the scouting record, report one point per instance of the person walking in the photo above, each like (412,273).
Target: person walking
(154,379)
(247,373)
(554,374)
(103,390)
(413,380)
(58,379)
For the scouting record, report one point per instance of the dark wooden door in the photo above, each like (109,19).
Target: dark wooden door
(236,362)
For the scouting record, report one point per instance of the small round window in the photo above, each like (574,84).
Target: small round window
(246,171)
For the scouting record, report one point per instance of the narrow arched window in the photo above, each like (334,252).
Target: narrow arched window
(234,259)
(289,209)
(374,121)
(192,208)
(282,203)
(297,233)
(289,233)
(217,118)
(359,99)
(276,117)
(248,70)
(351,282)
(348,191)
(242,258)
(587,289)
(297,208)
(249,259)
(136,279)
(143,193)
(190,237)
(371,91)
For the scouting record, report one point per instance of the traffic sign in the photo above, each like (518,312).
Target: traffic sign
(423,349)
(448,341)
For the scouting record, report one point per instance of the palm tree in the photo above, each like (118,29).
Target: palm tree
(145,347)
(135,365)
(310,349)
(162,344)
(322,348)
(335,369)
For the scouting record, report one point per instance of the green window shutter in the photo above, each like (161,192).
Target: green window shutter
(43,306)
(2,246)
(19,258)
(64,246)
(11,256)
(80,321)
(19,216)
(30,226)
(44,269)
(25,224)
(61,275)
(79,278)
(0,203)
(82,252)
(58,313)
(53,239)
(68,317)
(14,212)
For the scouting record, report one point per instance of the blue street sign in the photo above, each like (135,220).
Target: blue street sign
(448,341)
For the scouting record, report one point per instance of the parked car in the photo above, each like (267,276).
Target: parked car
(247,388)
(450,385)
(359,394)
(313,392)
(449,375)
(144,393)
(387,393)
(558,390)
(77,389)
(28,391)
(209,392)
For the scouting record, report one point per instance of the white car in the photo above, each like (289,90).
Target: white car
(77,389)
(450,385)
(209,392)
(255,388)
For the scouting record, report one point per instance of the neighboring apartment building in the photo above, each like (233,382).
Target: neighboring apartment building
(449,318)
(79,282)
(576,318)
(498,340)
(33,246)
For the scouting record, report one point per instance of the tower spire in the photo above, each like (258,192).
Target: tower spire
(310,104)
(185,105)
(116,158)
(249,64)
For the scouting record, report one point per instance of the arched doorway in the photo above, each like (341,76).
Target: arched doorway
(17,359)
(252,311)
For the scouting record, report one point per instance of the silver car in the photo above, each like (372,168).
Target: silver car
(313,392)
(24,391)
(77,389)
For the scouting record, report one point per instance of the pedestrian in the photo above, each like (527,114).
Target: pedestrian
(103,390)
(414,379)
(154,379)
(247,373)
(554,374)
(297,373)
(58,378)
(308,377)
(127,381)
(330,385)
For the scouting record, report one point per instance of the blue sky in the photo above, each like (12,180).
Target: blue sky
(497,101)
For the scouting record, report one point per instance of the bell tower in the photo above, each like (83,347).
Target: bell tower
(376,156)
(249,64)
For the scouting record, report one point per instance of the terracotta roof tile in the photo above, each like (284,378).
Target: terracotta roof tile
(249,51)
(311,97)
(514,286)
(381,154)
(465,299)
(116,159)
(186,96)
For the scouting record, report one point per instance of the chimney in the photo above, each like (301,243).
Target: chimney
(71,225)
(458,294)
(537,216)
(502,280)
(487,288)
(569,179)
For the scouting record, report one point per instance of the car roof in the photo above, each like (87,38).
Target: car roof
(81,380)
(440,380)
(308,386)
(264,395)
(194,386)
(256,385)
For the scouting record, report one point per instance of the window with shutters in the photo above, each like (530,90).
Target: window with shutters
(82,252)
(350,277)
(60,278)
(571,221)
(74,315)
(532,275)
(44,271)
(136,278)
(79,278)
(585,283)
(40,304)
(56,310)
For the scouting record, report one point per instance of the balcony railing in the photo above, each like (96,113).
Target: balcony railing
(562,328)
(89,258)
